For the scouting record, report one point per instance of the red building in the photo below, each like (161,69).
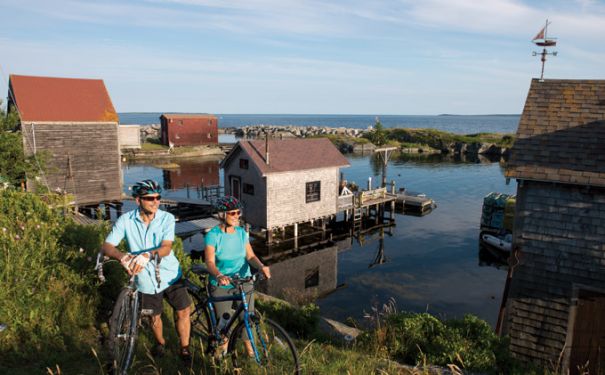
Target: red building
(189,130)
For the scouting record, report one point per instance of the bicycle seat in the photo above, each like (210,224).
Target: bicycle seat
(200,269)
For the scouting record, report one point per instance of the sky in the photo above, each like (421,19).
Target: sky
(407,57)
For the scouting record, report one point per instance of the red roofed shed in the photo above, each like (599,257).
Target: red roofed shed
(74,122)
(189,130)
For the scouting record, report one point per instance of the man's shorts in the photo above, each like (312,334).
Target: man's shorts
(176,295)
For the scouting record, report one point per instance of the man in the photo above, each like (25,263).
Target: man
(150,231)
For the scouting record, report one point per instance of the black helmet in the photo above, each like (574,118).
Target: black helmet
(227,203)
(146,187)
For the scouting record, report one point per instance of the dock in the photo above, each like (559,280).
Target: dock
(415,201)
(189,228)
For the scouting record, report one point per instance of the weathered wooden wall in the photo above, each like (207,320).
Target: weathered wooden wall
(280,198)
(94,153)
(255,211)
(560,230)
(189,131)
(130,136)
(286,193)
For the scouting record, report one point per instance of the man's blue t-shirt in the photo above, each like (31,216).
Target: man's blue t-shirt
(142,238)
(230,252)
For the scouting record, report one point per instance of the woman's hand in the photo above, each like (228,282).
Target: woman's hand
(266,271)
(223,280)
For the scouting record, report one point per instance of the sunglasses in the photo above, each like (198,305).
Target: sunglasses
(233,213)
(151,199)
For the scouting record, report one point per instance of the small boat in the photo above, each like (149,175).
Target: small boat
(501,243)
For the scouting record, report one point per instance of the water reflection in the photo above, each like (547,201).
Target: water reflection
(192,173)
(428,262)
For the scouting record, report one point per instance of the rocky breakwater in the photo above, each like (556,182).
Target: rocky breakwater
(289,131)
(150,131)
(407,139)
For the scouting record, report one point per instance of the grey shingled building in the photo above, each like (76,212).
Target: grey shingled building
(555,310)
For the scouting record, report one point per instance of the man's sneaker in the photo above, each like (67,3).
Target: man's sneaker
(186,355)
(158,351)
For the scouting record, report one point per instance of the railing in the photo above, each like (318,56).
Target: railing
(345,202)
(369,195)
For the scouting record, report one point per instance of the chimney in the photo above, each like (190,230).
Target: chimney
(267,148)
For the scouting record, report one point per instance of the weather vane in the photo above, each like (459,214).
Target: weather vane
(541,39)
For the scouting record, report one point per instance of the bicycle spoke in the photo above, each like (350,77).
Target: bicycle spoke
(269,350)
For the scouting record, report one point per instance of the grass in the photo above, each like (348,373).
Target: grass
(55,312)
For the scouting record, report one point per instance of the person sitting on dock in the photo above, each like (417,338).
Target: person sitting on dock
(228,253)
(149,231)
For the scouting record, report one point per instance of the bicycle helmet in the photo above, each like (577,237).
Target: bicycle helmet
(227,203)
(146,187)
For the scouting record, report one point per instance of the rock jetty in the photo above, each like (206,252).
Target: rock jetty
(289,131)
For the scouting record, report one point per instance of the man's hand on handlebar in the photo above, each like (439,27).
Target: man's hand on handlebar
(138,263)
(125,262)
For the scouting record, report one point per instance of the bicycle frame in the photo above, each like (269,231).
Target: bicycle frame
(209,301)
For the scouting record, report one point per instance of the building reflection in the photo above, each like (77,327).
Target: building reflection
(192,173)
(307,268)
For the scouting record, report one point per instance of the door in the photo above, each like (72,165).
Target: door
(235,185)
(588,347)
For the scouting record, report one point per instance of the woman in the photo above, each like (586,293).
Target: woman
(228,253)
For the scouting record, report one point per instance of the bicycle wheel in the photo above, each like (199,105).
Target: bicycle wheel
(275,352)
(123,326)
(200,318)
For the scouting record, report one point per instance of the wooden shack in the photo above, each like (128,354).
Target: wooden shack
(188,130)
(74,123)
(556,301)
(284,182)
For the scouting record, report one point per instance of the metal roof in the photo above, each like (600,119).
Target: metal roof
(51,99)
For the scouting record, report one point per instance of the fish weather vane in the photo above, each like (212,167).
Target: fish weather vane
(542,40)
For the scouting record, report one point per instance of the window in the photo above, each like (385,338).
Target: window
(312,277)
(248,189)
(243,163)
(313,191)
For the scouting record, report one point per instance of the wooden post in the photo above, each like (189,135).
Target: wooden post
(369,183)
(392,186)
(269,236)
(107,211)
(295,230)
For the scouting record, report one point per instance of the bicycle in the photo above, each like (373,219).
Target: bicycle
(125,320)
(273,351)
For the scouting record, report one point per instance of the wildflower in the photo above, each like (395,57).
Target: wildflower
(81,250)
(17,237)
(3,229)
(89,259)
(37,226)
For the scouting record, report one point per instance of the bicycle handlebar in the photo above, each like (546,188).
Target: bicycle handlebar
(101,259)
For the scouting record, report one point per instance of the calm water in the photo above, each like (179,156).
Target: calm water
(453,124)
(430,263)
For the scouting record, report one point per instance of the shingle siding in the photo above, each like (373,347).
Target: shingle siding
(255,211)
(559,230)
(286,197)
(94,153)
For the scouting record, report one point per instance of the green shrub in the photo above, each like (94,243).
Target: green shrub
(300,321)
(469,342)
(48,298)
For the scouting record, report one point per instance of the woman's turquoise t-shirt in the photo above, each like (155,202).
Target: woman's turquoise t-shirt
(230,252)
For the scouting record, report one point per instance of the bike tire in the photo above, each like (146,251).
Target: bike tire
(276,351)
(123,326)
(200,319)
